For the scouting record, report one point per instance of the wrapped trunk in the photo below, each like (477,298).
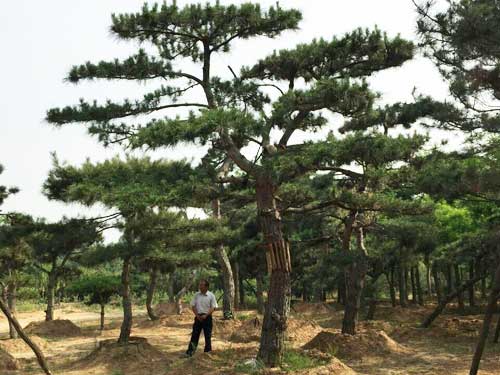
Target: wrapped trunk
(272,341)
(126,326)
(153,279)
(11,302)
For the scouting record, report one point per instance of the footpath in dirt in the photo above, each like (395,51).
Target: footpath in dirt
(390,345)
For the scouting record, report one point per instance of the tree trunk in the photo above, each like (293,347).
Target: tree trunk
(460,295)
(170,286)
(441,305)
(428,277)
(102,316)
(449,279)
(341,290)
(242,293)
(182,292)
(420,293)
(227,272)
(497,331)
(272,341)
(488,316)
(355,278)
(260,293)
(236,280)
(126,326)
(413,286)
(51,286)
(153,279)
(483,269)
(392,290)
(372,306)
(437,283)
(403,294)
(472,299)
(34,347)
(11,302)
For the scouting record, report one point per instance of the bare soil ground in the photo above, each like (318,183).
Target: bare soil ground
(390,345)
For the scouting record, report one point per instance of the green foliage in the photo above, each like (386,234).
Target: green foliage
(96,288)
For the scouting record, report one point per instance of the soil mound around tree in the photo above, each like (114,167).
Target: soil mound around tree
(18,346)
(137,357)
(249,330)
(170,308)
(365,343)
(53,328)
(7,362)
(301,331)
(309,308)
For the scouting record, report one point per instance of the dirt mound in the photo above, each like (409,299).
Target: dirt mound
(54,328)
(7,362)
(248,331)
(459,324)
(308,308)
(137,357)
(170,308)
(357,346)
(19,346)
(300,330)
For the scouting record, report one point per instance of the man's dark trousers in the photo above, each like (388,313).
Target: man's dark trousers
(206,326)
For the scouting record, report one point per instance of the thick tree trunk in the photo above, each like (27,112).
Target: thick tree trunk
(458,282)
(390,282)
(488,316)
(153,279)
(11,302)
(437,283)
(102,316)
(34,347)
(472,299)
(236,279)
(420,293)
(227,272)
(272,341)
(126,326)
(441,305)
(260,293)
(51,286)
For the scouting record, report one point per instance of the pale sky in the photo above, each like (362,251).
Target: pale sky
(41,40)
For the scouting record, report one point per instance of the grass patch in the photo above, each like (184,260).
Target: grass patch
(294,360)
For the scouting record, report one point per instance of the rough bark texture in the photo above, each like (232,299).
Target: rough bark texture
(227,272)
(260,293)
(488,316)
(441,305)
(51,286)
(272,341)
(11,301)
(126,326)
(34,347)
(153,279)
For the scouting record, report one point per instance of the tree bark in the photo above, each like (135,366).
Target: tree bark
(126,326)
(51,286)
(413,286)
(34,347)
(153,279)
(242,293)
(420,293)
(392,290)
(460,295)
(428,277)
(472,299)
(403,293)
(236,280)
(449,279)
(272,341)
(437,283)
(341,289)
(102,316)
(260,293)
(441,305)
(488,316)
(497,331)
(11,302)
(171,291)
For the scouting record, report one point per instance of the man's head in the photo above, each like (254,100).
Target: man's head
(203,286)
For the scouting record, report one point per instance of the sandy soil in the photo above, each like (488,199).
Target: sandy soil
(444,349)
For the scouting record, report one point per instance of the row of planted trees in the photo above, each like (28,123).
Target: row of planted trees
(367,202)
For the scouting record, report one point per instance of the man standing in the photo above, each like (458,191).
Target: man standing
(203,305)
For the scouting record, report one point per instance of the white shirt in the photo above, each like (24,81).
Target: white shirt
(204,302)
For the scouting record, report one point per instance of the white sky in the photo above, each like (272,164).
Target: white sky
(41,40)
